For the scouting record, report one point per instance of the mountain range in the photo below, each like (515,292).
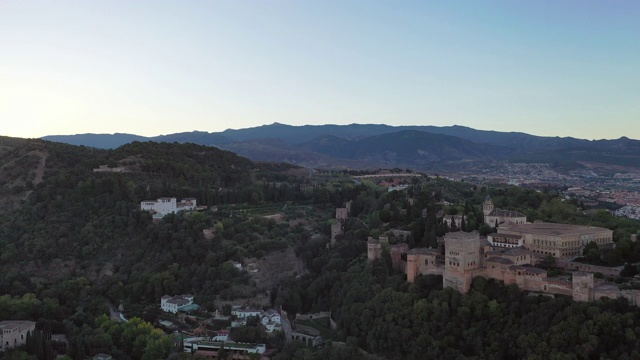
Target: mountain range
(370,146)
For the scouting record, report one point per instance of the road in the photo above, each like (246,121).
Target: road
(115,315)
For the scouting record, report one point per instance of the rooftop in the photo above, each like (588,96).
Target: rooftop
(505,236)
(102,356)
(228,345)
(463,235)
(500,260)
(178,301)
(528,269)
(608,287)
(506,213)
(190,307)
(552,229)
(19,325)
(424,251)
(400,245)
(518,251)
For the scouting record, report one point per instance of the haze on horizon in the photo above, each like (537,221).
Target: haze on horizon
(549,68)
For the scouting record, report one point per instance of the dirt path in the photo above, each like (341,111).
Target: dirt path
(40,169)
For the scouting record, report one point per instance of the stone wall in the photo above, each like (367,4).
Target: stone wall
(336,229)
(576,266)
(422,262)
(311,316)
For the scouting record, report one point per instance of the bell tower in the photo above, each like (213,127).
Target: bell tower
(487,206)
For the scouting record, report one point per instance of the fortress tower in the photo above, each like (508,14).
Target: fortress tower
(374,249)
(582,286)
(342,214)
(462,258)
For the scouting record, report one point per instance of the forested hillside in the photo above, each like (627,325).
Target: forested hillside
(75,243)
(77,240)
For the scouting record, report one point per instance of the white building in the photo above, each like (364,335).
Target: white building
(168,205)
(270,319)
(245,313)
(199,346)
(221,335)
(14,333)
(174,303)
(397,188)
(272,326)
(239,322)
(270,315)
(505,240)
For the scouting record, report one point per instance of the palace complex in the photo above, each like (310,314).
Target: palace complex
(509,256)
(464,256)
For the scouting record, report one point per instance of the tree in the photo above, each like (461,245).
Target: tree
(591,252)
(454,227)
(226,309)
(485,229)
(385,257)
(613,257)
(249,334)
(548,261)
(629,270)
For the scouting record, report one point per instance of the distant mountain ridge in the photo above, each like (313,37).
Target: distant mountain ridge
(372,145)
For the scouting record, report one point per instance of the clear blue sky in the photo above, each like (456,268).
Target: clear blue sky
(566,68)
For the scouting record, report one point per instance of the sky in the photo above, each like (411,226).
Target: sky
(545,67)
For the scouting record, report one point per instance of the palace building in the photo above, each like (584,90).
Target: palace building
(509,256)
(559,240)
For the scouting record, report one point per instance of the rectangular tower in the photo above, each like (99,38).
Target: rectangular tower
(462,258)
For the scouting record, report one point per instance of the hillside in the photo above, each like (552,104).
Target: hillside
(419,149)
(372,146)
(77,223)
